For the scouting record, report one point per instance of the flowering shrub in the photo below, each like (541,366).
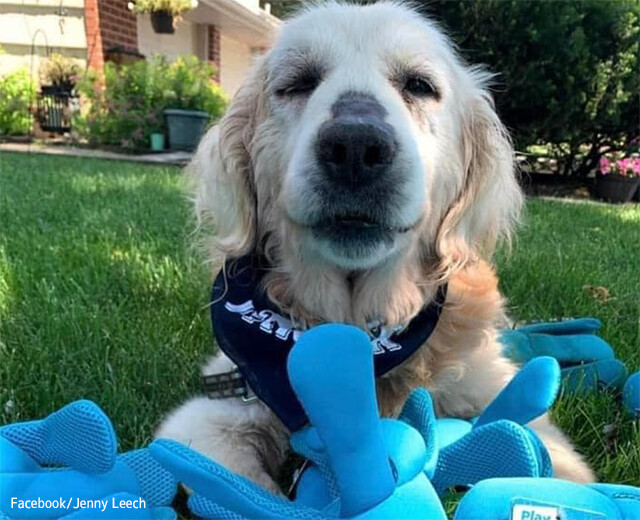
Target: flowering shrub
(17,97)
(623,166)
(127,106)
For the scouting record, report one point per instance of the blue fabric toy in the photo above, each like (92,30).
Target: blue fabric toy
(364,467)
(80,442)
(498,443)
(541,499)
(360,466)
(631,395)
(587,361)
(348,477)
(460,452)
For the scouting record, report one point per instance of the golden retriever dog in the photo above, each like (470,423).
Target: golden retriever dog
(364,159)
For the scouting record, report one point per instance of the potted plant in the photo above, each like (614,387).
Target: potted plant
(59,74)
(58,77)
(618,178)
(164,14)
(192,101)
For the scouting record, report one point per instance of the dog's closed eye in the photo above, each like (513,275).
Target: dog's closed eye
(302,82)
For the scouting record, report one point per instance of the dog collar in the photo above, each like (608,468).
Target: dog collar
(258,337)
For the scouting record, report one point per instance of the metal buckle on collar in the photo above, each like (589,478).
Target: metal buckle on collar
(228,384)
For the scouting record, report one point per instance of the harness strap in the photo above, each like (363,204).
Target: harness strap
(228,384)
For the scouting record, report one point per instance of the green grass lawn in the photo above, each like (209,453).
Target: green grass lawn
(102,298)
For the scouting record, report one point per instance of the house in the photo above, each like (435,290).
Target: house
(225,32)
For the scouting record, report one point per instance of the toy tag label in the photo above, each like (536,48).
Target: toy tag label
(532,512)
(527,509)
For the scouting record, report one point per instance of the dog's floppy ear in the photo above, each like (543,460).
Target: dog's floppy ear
(222,176)
(489,204)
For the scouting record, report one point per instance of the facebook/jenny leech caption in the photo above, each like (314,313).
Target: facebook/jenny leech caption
(75,503)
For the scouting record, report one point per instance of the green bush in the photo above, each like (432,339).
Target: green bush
(189,87)
(568,72)
(17,99)
(126,106)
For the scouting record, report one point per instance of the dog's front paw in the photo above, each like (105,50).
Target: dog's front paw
(226,431)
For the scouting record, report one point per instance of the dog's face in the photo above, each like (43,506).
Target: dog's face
(361,136)
(361,108)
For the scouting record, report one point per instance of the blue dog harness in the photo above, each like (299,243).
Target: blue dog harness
(258,337)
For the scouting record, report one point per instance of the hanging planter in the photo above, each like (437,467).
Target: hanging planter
(164,14)
(162,22)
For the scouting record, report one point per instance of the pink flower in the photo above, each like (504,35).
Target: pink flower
(605,165)
(623,165)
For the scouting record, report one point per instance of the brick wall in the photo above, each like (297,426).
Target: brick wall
(118,25)
(109,24)
(95,54)
(213,49)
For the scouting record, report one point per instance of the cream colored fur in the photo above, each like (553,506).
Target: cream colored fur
(249,178)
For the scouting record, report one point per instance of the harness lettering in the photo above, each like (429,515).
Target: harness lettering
(275,324)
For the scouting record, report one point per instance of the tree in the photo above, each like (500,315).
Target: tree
(568,71)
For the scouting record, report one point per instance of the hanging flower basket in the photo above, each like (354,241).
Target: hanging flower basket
(165,14)
(162,22)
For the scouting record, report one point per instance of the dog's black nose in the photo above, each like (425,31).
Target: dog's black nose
(356,146)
